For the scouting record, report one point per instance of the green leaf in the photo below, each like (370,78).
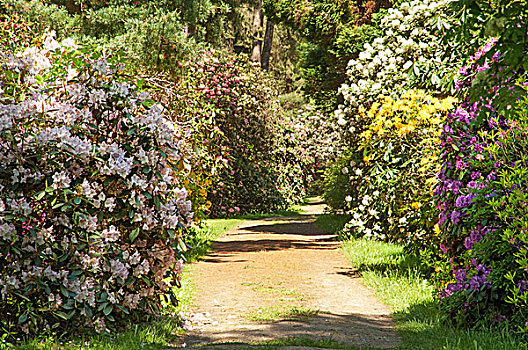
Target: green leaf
(40,195)
(133,234)
(124,309)
(60,204)
(62,315)
(108,309)
(77,200)
(64,291)
(22,318)
(102,306)
(88,311)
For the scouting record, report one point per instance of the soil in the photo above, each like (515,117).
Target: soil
(282,278)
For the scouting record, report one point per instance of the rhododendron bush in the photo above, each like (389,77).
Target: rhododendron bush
(481,195)
(240,137)
(91,206)
(410,54)
(387,181)
(308,139)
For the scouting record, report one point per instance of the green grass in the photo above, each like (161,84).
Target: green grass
(332,223)
(158,335)
(212,229)
(280,312)
(397,281)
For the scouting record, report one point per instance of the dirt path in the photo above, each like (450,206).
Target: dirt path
(280,278)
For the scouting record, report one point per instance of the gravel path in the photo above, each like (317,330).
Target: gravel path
(280,278)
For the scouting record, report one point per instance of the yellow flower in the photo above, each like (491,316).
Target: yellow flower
(437,229)
(366,159)
(416,205)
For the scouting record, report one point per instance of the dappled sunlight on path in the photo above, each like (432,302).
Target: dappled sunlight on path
(280,278)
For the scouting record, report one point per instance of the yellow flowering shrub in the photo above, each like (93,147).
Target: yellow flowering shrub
(392,171)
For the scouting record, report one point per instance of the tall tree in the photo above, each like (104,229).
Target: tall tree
(266,47)
(258,24)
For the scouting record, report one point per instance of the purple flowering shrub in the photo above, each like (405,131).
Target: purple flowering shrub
(481,267)
(91,206)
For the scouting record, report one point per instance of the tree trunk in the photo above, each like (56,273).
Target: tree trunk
(258,22)
(266,47)
(72,7)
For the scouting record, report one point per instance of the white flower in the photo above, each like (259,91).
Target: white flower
(61,180)
(111,234)
(7,231)
(348,198)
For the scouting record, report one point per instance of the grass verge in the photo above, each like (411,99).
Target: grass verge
(397,281)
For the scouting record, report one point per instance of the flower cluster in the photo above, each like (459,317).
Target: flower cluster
(91,203)
(481,263)
(389,189)
(410,47)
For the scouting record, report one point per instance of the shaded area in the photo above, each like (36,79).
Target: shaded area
(357,330)
(279,234)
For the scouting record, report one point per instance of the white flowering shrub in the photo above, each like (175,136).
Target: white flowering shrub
(410,52)
(91,207)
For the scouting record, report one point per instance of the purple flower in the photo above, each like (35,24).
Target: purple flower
(442,218)
(463,115)
(455,217)
(522,285)
(460,164)
(475,236)
(476,282)
(460,276)
(496,56)
(464,201)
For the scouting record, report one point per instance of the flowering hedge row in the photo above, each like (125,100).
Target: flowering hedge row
(387,181)
(245,143)
(91,202)
(479,248)
(482,267)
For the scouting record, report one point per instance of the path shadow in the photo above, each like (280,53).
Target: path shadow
(309,237)
(355,330)
(294,228)
(231,248)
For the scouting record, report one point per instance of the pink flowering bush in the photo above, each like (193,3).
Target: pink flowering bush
(240,136)
(308,140)
(91,206)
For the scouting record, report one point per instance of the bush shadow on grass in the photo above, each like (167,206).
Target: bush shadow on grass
(332,223)
(421,327)
(400,281)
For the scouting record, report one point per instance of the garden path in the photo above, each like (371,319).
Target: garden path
(280,278)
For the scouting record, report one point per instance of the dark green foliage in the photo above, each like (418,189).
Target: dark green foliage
(335,32)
